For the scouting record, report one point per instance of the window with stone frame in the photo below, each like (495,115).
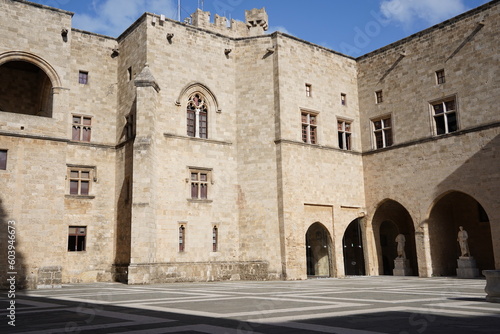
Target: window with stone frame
(199,182)
(3,159)
(379,97)
(343,99)
(382,131)
(440,77)
(215,239)
(309,127)
(80,180)
(81,128)
(444,113)
(197,116)
(182,238)
(344,134)
(77,238)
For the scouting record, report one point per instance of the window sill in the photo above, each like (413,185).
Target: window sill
(193,200)
(80,196)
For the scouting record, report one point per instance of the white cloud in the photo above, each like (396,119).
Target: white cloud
(112,17)
(429,11)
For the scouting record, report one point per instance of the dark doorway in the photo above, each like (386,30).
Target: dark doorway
(318,251)
(352,243)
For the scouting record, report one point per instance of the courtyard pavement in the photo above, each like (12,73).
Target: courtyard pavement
(356,305)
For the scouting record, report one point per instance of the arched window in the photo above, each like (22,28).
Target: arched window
(197,116)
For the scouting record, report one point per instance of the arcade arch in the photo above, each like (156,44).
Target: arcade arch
(390,219)
(450,211)
(319,251)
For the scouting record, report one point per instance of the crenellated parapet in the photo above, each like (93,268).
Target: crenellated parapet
(256,23)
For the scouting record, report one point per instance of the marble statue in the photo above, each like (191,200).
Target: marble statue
(401,240)
(462,240)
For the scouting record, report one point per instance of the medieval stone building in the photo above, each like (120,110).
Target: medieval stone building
(212,151)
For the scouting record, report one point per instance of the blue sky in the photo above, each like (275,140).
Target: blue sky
(353,27)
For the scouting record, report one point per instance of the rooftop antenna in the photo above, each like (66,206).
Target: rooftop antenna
(178,10)
(201,4)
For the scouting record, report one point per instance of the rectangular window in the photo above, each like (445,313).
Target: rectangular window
(440,78)
(309,127)
(445,116)
(379,97)
(308,90)
(182,238)
(3,159)
(77,238)
(80,181)
(199,183)
(215,239)
(382,130)
(81,128)
(343,99)
(344,133)
(83,77)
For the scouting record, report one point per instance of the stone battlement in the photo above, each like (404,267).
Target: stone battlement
(256,23)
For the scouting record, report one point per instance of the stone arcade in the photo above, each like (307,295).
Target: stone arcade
(202,151)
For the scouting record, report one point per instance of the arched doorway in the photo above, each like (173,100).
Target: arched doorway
(318,251)
(451,211)
(25,89)
(390,219)
(352,243)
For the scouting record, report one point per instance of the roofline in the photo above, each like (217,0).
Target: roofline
(92,33)
(45,7)
(429,30)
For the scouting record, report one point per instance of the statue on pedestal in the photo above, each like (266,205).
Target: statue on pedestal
(401,240)
(462,241)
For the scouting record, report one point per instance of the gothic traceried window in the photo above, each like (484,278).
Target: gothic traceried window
(197,116)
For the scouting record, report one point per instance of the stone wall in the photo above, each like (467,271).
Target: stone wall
(428,166)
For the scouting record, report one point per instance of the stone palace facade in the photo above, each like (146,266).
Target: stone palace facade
(208,150)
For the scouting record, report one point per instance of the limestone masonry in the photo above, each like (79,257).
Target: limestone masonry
(211,150)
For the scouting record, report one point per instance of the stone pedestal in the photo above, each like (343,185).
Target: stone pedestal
(467,267)
(492,285)
(401,267)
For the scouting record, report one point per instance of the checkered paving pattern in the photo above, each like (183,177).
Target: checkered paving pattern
(357,305)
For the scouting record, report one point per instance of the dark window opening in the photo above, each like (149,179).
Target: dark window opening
(445,116)
(440,77)
(3,159)
(77,238)
(382,130)
(83,77)
(215,239)
(182,238)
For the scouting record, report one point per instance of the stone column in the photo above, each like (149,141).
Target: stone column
(492,285)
